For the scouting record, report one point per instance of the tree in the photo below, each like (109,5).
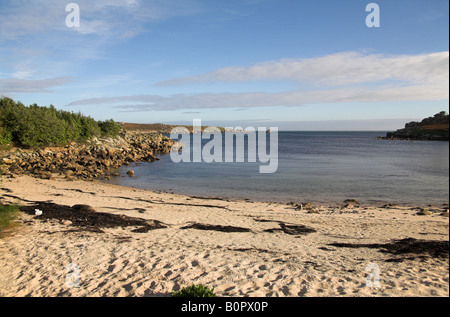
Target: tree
(36,126)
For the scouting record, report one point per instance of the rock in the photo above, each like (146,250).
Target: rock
(111,151)
(424,212)
(149,158)
(445,213)
(45,175)
(302,206)
(68,173)
(352,201)
(306,205)
(432,129)
(7,161)
(106,163)
(67,222)
(130,173)
(89,160)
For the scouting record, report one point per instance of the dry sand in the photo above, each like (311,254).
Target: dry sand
(280,251)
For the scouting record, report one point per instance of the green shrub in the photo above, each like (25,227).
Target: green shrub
(195,291)
(36,126)
(5,136)
(110,128)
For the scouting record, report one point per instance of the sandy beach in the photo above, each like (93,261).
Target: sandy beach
(158,242)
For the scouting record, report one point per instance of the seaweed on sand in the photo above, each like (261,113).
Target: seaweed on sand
(87,218)
(433,248)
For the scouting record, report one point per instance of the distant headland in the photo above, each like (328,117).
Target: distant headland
(157,127)
(430,129)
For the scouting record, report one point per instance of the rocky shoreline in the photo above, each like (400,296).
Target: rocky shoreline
(417,135)
(96,159)
(430,129)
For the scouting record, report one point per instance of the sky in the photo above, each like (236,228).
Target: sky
(291,64)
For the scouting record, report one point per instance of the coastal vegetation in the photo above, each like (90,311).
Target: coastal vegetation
(434,128)
(195,291)
(44,142)
(36,126)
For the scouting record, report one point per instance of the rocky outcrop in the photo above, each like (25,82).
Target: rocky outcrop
(430,129)
(98,158)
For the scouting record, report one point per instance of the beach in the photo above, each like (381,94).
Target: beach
(132,242)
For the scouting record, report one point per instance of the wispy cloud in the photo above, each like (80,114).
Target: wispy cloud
(259,99)
(111,100)
(36,43)
(14,85)
(114,18)
(337,78)
(346,68)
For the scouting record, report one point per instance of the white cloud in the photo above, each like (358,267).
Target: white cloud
(337,78)
(340,69)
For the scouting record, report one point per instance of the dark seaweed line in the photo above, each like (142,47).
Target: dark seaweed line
(167,203)
(437,249)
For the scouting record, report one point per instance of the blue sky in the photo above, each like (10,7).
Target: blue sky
(298,65)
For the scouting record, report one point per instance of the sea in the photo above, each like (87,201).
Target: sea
(317,167)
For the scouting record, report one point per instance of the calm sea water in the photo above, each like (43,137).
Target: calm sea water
(321,167)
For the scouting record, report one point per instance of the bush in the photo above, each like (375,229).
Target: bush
(195,291)
(36,126)
(109,128)
(5,136)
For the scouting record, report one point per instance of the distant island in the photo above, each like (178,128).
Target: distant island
(155,127)
(430,129)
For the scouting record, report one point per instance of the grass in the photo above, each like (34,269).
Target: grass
(195,291)
(8,213)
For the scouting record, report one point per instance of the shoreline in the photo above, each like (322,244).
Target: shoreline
(133,242)
(102,159)
(320,204)
(316,204)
